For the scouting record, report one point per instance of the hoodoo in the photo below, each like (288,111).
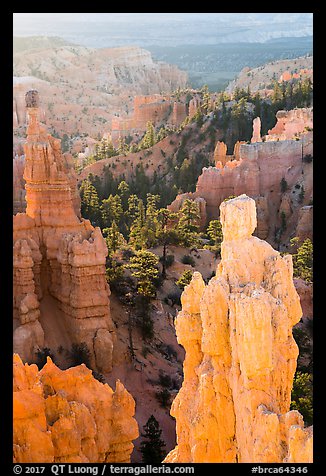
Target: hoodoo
(234,404)
(59,258)
(67,416)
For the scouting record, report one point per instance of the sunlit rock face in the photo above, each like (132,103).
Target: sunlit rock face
(240,354)
(67,416)
(56,252)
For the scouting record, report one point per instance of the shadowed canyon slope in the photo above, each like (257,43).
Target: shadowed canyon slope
(240,354)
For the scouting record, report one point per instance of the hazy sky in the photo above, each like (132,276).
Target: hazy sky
(107,29)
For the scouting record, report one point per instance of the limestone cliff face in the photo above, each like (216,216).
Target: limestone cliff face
(291,123)
(57,253)
(103,80)
(156,108)
(67,416)
(19,193)
(258,169)
(240,354)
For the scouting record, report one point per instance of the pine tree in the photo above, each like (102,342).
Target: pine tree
(206,105)
(152,446)
(138,232)
(303,261)
(214,231)
(111,209)
(133,203)
(114,239)
(165,235)
(105,149)
(185,278)
(123,148)
(149,138)
(302,396)
(144,269)
(90,207)
(123,191)
(151,218)
(188,227)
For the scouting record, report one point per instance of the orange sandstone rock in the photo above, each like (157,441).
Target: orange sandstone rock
(256,137)
(63,416)
(56,252)
(240,354)
(291,123)
(257,169)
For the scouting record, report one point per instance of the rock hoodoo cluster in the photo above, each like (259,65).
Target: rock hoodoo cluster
(154,108)
(57,254)
(220,153)
(240,354)
(67,416)
(273,172)
(291,124)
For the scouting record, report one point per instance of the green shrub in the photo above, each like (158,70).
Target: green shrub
(302,396)
(169,260)
(184,279)
(187,259)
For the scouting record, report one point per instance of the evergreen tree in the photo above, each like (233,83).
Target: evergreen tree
(187,175)
(257,104)
(90,207)
(141,184)
(302,396)
(123,148)
(188,227)
(303,261)
(149,138)
(123,191)
(214,231)
(283,185)
(138,232)
(111,209)
(114,239)
(165,235)
(206,103)
(105,149)
(144,269)
(152,446)
(185,279)
(277,96)
(151,218)
(133,204)
(162,133)
(306,91)
(240,117)
(109,183)
(114,274)
(133,148)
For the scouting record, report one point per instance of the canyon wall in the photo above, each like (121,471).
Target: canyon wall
(291,124)
(57,254)
(83,88)
(259,169)
(67,416)
(157,109)
(240,354)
